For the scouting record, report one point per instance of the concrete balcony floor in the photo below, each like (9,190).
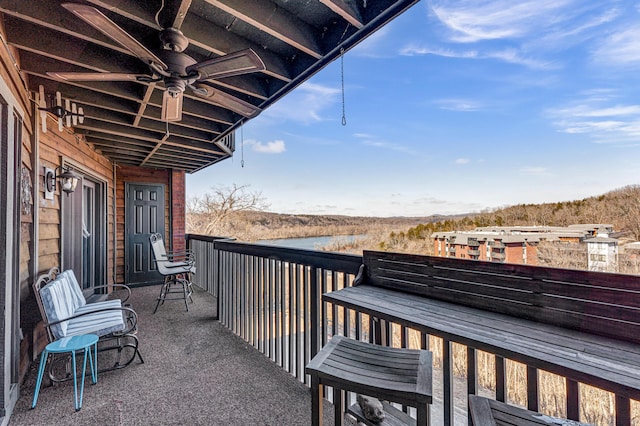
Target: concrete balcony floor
(196,372)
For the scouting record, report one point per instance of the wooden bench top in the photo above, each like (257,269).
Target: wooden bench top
(609,363)
(487,412)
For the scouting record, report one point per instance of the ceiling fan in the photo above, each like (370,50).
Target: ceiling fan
(170,65)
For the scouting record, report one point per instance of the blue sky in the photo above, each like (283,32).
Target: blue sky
(456,106)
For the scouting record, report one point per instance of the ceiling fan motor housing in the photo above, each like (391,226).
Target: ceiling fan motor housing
(173,39)
(177,62)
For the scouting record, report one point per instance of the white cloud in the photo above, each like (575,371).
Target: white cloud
(462,161)
(272,147)
(596,116)
(529,32)
(305,105)
(534,171)
(471,21)
(462,105)
(512,56)
(620,48)
(372,140)
(371,46)
(415,50)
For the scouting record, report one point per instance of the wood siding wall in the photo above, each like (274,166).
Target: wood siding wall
(40,219)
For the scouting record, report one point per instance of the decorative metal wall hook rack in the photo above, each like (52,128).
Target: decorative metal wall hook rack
(68,115)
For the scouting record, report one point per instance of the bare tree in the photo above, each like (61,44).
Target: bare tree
(631,209)
(566,255)
(207,214)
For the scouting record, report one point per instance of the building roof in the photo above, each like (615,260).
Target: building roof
(520,234)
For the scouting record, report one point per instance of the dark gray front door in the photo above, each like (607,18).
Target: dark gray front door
(144,216)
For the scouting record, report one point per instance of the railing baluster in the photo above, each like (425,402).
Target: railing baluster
(346,319)
(501,379)
(334,311)
(472,376)
(447,382)
(316,321)
(623,411)
(299,331)
(255,301)
(325,318)
(532,388)
(573,400)
(264,273)
(292,320)
(269,311)
(279,313)
(306,323)
(257,276)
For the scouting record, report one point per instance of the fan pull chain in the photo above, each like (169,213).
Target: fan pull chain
(242,144)
(344,117)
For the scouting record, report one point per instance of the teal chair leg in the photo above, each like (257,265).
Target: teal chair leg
(41,368)
(93,364)
(75,380)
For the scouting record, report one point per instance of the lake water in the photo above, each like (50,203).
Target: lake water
(310,243)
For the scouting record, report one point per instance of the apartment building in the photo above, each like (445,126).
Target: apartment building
(515,244)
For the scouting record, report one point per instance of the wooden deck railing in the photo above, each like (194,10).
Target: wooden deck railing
(271,298)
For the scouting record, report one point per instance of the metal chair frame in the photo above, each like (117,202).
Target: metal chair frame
(177,268)
(118,341)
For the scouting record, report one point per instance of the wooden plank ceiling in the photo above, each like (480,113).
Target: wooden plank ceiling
(293,38)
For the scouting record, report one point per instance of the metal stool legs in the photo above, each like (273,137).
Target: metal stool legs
(184,280)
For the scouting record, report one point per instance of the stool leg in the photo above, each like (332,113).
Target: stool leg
(423,412)
(41,368)
(338,409)
(316,401)
(184,293)
(163,292)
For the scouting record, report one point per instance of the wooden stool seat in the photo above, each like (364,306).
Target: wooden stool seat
(391,374)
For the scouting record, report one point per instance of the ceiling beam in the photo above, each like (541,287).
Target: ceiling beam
(146,124)
(51,15)
(181,13)
(220,42)
(144,103)
(118,130)
(346,11)
(275,21)
(64,48)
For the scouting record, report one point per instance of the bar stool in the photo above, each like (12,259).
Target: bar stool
(72,344)
(396,375)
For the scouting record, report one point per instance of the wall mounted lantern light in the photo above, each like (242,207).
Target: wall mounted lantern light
(68,180)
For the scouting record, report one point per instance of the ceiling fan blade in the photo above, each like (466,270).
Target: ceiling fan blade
(242,62)
(95,76)
(171,106)
(226,100)
(99,21)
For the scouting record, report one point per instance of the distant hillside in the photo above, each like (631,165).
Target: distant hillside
(620,207)
(252,225)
